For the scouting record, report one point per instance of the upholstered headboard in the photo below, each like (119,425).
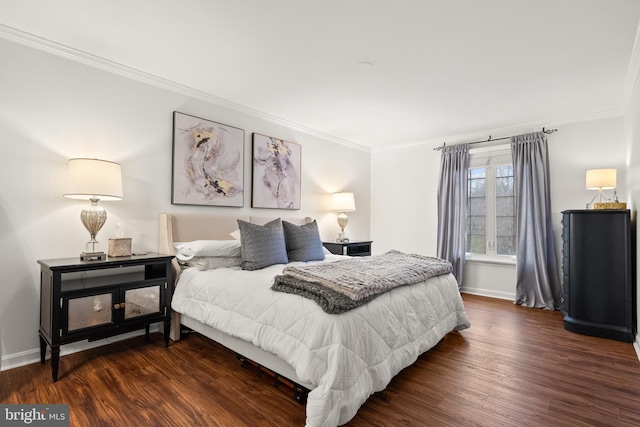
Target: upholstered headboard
(186,227)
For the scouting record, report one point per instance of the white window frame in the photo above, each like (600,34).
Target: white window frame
(490,157)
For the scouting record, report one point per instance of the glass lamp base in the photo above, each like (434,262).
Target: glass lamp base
(342,238)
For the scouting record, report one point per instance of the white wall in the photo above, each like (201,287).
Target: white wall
(53,109)
(404,192)
(404,185)
(632,151)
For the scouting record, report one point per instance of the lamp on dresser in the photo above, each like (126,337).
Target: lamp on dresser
(603,179)
(343,202)
(93,180)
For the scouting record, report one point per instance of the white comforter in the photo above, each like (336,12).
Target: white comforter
(347,357)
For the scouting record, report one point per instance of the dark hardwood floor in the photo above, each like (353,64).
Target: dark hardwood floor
(514,367)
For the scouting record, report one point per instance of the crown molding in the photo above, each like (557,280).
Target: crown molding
(506,131)
(54,48)
(599,115)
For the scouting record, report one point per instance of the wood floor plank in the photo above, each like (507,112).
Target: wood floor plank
(514,366)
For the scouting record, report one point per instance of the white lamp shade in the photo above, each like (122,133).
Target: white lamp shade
(601,179)
(93,179)
(343,202)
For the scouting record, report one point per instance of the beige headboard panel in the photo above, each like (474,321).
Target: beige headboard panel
(185,227)
(262,220)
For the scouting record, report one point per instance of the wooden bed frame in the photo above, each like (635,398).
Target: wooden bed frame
(185,227)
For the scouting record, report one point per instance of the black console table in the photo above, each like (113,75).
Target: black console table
(91,300)
(354,248)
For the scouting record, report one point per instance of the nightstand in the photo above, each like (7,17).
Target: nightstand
(91,300)
(353,248)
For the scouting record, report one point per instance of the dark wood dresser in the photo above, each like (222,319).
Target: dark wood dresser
(598,270)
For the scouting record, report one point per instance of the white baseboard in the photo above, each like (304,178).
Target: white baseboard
(636,345)
(28,357)
(488,293)
(15,360)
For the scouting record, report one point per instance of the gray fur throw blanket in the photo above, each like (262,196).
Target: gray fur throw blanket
(342,285)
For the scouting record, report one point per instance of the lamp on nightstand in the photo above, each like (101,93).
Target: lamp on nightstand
(93,180)
(343,202)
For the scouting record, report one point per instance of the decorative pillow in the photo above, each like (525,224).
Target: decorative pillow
(211,262)
(207,248)
(303,242)
(262,245)
(235,234)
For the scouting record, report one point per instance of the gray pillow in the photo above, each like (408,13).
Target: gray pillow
(303,241)
(262,245)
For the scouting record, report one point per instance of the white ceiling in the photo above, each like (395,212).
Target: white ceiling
(439,68)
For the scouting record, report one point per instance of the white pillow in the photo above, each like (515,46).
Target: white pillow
(207,248)
(212,262)
(235,234)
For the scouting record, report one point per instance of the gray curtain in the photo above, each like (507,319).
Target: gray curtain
(537,278)
(452,206)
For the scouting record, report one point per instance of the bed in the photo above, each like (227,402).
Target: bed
(341,358)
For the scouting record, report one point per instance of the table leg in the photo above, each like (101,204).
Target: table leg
(167,329)
(43,349)
(55,360)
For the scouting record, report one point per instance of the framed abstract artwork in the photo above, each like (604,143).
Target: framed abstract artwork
(276,173)
(208,166)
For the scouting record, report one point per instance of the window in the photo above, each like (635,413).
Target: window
(491,204)
(505,211)
(477,211)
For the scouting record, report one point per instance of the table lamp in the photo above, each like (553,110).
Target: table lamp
(343,202)
(93,180)
(603,179)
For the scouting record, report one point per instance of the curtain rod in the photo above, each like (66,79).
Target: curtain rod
(444,144)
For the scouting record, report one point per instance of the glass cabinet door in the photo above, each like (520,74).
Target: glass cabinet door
(88,311)
(141,301)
